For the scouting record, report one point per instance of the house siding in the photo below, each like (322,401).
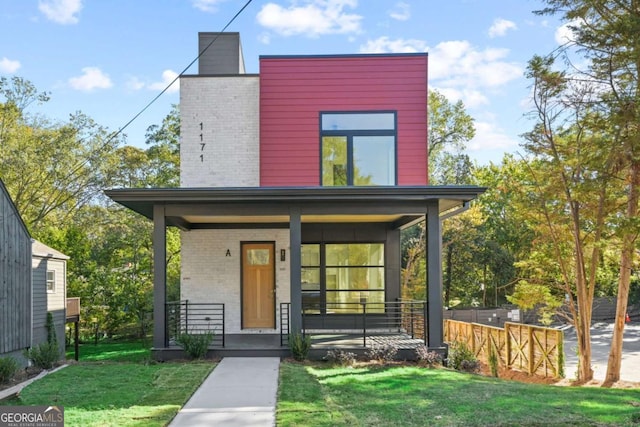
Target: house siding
(44,302)
(222,113)
(15,279)
(294,90)
(210,276)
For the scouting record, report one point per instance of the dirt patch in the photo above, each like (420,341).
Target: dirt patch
(21,376)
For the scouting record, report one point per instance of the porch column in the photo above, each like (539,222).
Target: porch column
(159,277)
(295,265)
(434,276)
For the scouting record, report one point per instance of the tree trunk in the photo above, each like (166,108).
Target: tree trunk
(626,259)
(448,269)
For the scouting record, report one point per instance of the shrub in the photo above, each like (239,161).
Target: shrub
(462,358)
(382,353)
(341,357)
(299,345)
(427,358)
(195,344)
(44,355)
(8,368)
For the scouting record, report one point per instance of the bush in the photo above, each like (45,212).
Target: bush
(8,368)
(299,345)
(43,356)
(195,344)
(341,357)
(461,358)
(382,353)
(427,358)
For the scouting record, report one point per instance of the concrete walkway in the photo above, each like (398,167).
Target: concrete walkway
(241,391)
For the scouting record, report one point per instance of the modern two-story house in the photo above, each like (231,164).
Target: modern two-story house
(295,184)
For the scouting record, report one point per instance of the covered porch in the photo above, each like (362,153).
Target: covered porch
(300,218)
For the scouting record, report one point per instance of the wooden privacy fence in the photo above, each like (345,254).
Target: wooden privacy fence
(526,348)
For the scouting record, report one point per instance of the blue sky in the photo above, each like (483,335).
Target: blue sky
(109,58)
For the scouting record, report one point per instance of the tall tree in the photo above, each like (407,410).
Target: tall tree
(607,35)
(568,192)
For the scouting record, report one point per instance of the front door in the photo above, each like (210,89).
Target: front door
(258,285)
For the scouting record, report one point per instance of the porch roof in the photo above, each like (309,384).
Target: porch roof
(203,207)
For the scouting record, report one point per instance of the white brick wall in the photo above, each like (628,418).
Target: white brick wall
(228,109)
(209,276)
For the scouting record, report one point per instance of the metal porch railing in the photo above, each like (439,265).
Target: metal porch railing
(195,318)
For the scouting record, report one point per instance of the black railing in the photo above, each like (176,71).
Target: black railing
(195,318)
(361,318)
(284,323)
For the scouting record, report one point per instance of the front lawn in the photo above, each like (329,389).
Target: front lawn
(115,385)
(320,395)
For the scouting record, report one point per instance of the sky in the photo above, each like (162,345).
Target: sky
(110,58)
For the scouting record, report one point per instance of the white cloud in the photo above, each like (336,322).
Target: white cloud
(91,78)
(9,66)
(264,38)
(564,34)
(500,27)
(61,11)
(385,45)
(311,18)
(207,5)
(490,136)
(401,12)
(167,77)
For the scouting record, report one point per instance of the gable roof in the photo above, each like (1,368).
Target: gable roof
(41,250)
(13,208)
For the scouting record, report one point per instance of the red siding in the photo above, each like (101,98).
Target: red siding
(293,91)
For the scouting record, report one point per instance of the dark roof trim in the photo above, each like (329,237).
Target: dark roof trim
(348,55)
(191,76)
(295,194)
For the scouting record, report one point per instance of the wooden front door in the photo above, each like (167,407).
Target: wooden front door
(258,285)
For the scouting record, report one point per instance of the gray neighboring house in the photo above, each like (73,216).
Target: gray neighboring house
(49,278)
(15,280)
(32,283)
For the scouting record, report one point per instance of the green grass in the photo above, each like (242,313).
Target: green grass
(114,385)
(319,395)
(116,351)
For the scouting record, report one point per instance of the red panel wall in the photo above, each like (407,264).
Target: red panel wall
(293,91)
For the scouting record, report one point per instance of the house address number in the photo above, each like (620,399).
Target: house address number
(202,143)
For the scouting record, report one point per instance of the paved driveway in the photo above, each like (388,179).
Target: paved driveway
(601,334)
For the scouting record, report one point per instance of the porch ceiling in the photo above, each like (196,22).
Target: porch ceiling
(199,207)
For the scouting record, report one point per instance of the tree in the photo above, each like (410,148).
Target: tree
(607,35)
(450,128)
(568,194)
(50,169)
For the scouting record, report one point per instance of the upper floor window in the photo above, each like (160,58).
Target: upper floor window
(358,148)
(51,281)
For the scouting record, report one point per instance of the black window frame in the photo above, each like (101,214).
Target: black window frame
(349,134)
(323,266)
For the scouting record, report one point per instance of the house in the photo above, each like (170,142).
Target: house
(32,284)
(49,277)
(15,280)
(295,184)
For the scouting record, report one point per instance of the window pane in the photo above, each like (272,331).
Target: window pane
(351,302)
(374,160)
(258,256)
(355,278)
(51,280)
(310,255)
(334,160)
(355,254)
(310,279)
(358,121)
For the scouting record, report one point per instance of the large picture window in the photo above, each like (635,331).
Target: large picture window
(358,149)
(340,277)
